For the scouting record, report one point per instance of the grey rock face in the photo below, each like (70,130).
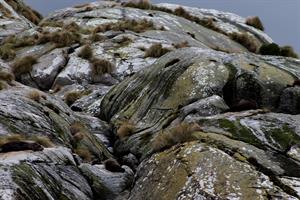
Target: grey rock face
(50,174)
(165,118)
(289,101)
(106,184)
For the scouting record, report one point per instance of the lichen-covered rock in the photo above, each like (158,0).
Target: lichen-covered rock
(289,101)
(198,171)
(50,174)
(11,20)
(43,116)
(106,184)
(189,75)
(46,69)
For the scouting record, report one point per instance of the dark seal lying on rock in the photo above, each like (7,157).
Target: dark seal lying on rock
(113,165)
(21,146)
(243,105)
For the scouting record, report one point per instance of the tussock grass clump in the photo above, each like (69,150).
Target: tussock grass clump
(156,51)
(137,26)
(179,134)
(141,4)
(7,52)
(246,40)
(42,140)
(61,38)
(255,22)
(86,52)
(72,96)
(3,85)
(288,51)
(84,153)
(101,66)
(26,11)
(126,129)
(76,127)
(11,44)
(181,45)
(6,76)
(23,65)
(51,23)
(95,37)
(34,95)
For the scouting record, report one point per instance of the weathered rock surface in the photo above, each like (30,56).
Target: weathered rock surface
(106,184)
(12,21)
(185,95)
(50,174)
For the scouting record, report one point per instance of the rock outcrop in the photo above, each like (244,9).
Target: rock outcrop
(157,88)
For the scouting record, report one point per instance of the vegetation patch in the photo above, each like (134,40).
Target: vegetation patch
(246,40)
(255,22)
(179,134)
(137,26)
(26,11)
(3,85)
(181,45)
(84,153)
(6,76)
(156,51)
(72,96)
(126,129)
(23,65)
(61,38)
(86,52)
(34,95)
(101,66)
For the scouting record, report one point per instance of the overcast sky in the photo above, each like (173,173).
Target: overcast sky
(281,18)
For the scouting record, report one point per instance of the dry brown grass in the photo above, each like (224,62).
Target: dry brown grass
(76,127)
(42,140)
(51,23)
(141,4)
(246,40)
(137,26)
(72,96)
(6,76)
(288,51)
(78,136)
(86,52)
(34,95)
(23,65)
(26,11)
(179,134)
(181,45)
(255,22)
(126,129)
(84,153)
(156,51)
(3,85)
(61,38)
(95,37)
(101,66)
(7,52)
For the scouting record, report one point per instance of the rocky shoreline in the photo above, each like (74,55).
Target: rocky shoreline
(112,100)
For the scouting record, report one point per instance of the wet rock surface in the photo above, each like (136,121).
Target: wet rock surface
(199,117)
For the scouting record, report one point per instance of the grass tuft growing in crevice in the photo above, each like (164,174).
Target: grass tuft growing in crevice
(179,134)
(156,51)
(23,66)
(255,22)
